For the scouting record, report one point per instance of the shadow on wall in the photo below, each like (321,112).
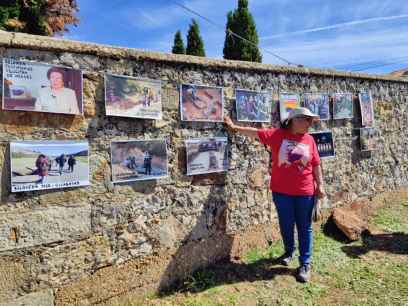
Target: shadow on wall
(204,258)
(207,242)
(5,174)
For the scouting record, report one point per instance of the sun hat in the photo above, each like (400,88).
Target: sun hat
(301,112)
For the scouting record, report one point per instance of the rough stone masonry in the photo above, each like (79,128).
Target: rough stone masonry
(104,243)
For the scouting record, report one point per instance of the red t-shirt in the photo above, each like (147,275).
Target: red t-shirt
(294,157)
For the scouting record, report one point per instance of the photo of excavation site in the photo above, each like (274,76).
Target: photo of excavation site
(207,155)
(201,103)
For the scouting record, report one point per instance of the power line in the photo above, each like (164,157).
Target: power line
(356,65)
(381,65)
(232,33)
(280,57)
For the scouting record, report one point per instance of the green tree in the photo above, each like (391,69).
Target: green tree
(241,22)
(195,44)
(41,17)
(178,47)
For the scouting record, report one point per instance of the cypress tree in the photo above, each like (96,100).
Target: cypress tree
(241,22)
(195,44)
(178,47)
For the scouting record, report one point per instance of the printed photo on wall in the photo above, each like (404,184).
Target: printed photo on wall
(324,143)
(253,106)
(368,139)
(318,104)
(342,106)
(38,165)
(201,103)
(131,97)
(367,109)
(287,102)
(138,160)
(31,86)
(207,155)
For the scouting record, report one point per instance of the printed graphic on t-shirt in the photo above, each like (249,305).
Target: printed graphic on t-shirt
(293,153)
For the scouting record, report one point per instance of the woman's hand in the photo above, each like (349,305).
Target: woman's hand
(247,131)
(320,192)
(228,121)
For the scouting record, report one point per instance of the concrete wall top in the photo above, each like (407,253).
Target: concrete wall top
(34,42)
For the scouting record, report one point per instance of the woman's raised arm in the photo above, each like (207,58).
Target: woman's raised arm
(247,131)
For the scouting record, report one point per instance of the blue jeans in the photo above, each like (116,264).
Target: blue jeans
(296,210)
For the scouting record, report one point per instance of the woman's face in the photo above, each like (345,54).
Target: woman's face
(301,124)
(56,80)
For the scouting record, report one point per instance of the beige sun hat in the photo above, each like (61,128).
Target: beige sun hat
(300,112)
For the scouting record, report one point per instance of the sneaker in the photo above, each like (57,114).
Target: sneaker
(304,273)
(286,258)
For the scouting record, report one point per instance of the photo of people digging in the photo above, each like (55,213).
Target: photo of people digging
(130,97)
(138,160)
(48,164)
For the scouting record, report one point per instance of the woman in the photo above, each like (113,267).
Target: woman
(42,165)
(56,98)
(296,180)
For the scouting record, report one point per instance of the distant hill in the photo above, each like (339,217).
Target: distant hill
(82,153)
(403,73)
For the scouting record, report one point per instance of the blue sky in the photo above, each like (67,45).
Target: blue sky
(369,35)
(51,148)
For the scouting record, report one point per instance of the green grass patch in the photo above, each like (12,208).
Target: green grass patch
(392,218)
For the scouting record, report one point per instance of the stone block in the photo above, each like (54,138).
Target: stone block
(40,298)
(257,178)
(28,229)
(67,263)
(170,99)
(13,278)
(5,38)
(209,179)
(89,101)
(349,223)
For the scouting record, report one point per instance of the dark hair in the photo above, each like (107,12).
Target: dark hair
(56,69)
(286,124)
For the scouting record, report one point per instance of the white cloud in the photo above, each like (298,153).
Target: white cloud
(343,50)
(337,26)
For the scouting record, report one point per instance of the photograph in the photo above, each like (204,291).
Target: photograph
(131,97)
(324,143)
(287,102)
(342,106)
(368,139)
(39,165)
(318,103)
(201,103)
(207,155)
(367,109)
(38,87)
(139,160)
(253,106)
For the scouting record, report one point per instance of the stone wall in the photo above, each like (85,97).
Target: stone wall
(103,243)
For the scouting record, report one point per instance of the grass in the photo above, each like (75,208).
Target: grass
(372,271)
(391,217)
